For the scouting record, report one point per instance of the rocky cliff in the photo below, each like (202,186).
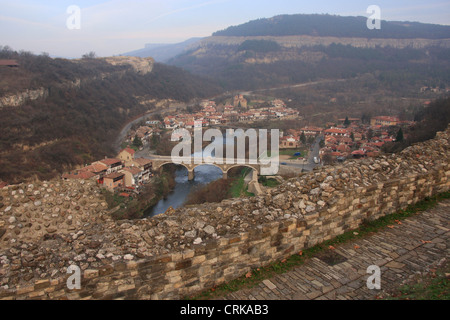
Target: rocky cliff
(310,41)
(47,227)
(141,66)
(16,100)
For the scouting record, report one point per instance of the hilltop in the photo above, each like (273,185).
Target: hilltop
(163,52)
(290,49)
(325,25)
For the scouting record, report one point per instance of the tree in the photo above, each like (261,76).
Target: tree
(366,118)
(352,136)
(137,142)
(400,136)
(90,55)
(347,122)
(369,134)
(303,138)
(327,158)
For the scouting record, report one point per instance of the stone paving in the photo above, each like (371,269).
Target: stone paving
(415,246)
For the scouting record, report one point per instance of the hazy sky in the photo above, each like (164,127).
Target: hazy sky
(118,26)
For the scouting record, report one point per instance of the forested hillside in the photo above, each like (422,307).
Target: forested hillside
(77,124)
(262,65)
(291,49)
(334,26)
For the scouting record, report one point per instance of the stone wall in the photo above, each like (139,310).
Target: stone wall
(196,248)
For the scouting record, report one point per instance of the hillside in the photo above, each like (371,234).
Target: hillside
(334,26)
(287,49)
(81,110)
(163,52)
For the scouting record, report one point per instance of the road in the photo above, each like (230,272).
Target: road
(300,85)
(124,132)
(310,165)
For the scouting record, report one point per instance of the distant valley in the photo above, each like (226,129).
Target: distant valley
(56,114)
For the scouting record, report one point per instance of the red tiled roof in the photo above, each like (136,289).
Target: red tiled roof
(110,162)
(129,150)
(385,118)
(3,184)
(133,170)
(95,168)
(338,131)
(80,175)
(125,195)
(8,63)
(142,161)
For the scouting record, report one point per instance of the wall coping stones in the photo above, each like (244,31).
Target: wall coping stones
(156,259)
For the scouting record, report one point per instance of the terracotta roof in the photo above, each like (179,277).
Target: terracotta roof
(133,170)
(386,118)
(142,161)
(110,162)
(3,184)
(8,63)
(129,150)
(80,175)
(95,168)
(125,195)
(338,131)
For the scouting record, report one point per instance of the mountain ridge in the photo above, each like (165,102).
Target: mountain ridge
(163,52)
(290,49)
(335,26)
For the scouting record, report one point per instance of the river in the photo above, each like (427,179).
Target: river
(203,176)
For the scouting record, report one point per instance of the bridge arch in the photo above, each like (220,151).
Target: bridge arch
(191,168)
(225,168)
(234,166)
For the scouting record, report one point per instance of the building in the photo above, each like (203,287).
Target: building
(290,142)
(126,154)
(113,165)
(132,176)
(98,169)
(384,121)
(9,63)
(79,175)
(239,100)
(94,171)
(114,181)
(336,132)
(311,131)
(144,165)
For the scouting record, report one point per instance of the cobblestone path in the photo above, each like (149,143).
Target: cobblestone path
(419,244)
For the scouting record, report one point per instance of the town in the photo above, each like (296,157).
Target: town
(350,138)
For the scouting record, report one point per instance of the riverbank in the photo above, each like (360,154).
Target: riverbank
(138,206)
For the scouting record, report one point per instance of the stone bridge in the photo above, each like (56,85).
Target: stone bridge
(254,187)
